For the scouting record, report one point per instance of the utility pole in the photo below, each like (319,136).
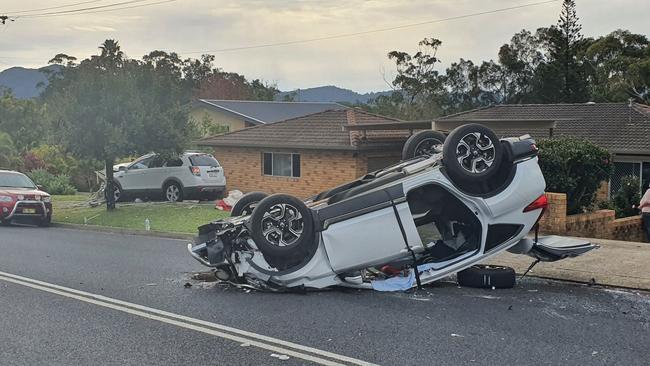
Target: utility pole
(4,18)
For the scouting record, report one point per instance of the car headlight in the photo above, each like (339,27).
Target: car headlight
(6,199)
(46,198)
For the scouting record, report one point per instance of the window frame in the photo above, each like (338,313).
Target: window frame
(291,163)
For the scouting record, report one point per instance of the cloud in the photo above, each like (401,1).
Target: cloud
(92,28)
(356,62)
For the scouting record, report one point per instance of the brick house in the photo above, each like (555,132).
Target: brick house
(621,128)
(306,155)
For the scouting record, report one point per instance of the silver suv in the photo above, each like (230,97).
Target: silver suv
(192,175)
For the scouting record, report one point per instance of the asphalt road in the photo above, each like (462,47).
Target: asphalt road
(537,323)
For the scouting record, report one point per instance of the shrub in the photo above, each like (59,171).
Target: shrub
(53,184)
(32,162)
(627,197)
(575,167)
(56,160)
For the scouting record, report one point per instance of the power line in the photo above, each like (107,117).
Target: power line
(111,9)
(72,11)
(53,7)
(347,35)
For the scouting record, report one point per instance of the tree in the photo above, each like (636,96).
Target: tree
(576,167)
(8,154)
(563,78)
(416,74)
(621,67)
(23,121)
(519,60)
(109,106)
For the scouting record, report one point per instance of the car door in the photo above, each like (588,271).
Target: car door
(132,179)
(364,230)
(154,175)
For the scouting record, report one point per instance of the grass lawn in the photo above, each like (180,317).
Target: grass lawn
(168,217)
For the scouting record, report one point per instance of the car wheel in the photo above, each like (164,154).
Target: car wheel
(247,203)
(282,228)
(173,192)
(484,276)
(45,221)
(423,143)
(117,193)
(472,152)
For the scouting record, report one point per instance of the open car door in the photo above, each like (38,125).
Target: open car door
(552,248)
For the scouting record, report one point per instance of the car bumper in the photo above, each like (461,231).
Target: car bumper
(26,209)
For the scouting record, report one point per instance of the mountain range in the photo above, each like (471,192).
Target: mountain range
(24,83)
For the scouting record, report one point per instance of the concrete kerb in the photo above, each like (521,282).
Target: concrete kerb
(127,231)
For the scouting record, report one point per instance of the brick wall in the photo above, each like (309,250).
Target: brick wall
(599,224)
(554,219)
(591,224)
(602,194)
(320,170)
(627,228)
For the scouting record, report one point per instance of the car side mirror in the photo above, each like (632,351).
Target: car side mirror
(122,168)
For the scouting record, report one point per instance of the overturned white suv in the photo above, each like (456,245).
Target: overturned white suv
(452,202)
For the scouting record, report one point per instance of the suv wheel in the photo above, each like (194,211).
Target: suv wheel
(173,192)
(117,192)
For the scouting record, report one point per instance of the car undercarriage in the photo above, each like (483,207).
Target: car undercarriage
(451,203)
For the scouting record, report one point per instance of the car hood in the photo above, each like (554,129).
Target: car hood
(116,167)
(22,191)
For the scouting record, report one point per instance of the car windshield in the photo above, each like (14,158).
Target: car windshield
(15,180)
(203,160)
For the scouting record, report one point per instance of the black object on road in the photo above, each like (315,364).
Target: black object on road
(484,276)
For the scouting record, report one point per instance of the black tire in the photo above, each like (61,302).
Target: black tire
(423,143)
(289,240)
(482,150)
(484,276)
(173,192)
(247,203)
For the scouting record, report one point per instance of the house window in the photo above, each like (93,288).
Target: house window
(281,164)
(640,170)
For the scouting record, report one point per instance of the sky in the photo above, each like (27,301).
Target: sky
(192,27)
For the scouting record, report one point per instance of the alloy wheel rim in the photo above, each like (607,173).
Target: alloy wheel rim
(282,225)
(249,208)
(475,152)
(172,193)
(429,147)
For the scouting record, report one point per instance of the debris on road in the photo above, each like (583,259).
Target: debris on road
(204,276)
(280,357)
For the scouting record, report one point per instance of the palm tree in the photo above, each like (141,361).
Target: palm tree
(111,56)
